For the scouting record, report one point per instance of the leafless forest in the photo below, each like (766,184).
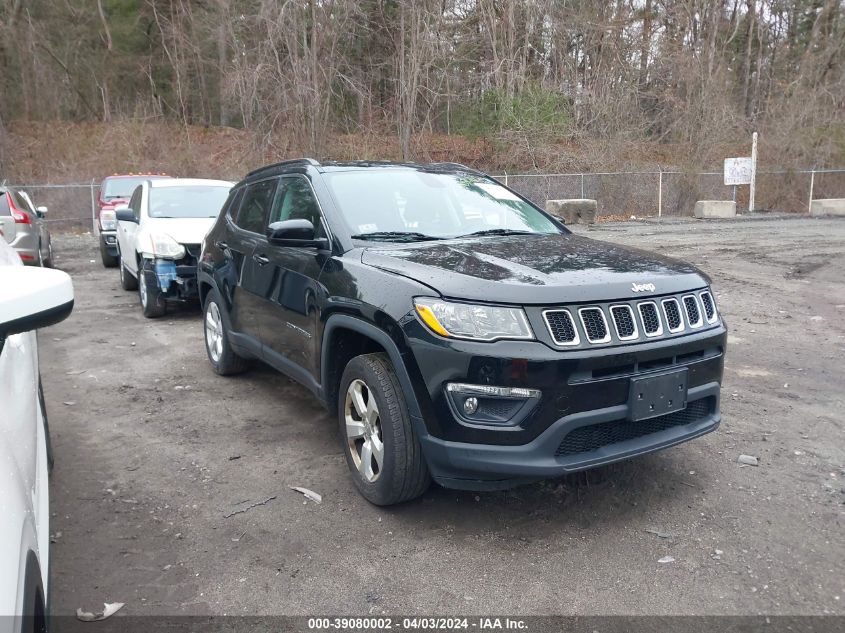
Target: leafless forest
(502,84)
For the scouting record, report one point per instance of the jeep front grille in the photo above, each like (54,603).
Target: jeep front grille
(693,313)
(650,318)
(709,306)
(561,327)
(631,321)
(672,312)
(595,325)
(623,320)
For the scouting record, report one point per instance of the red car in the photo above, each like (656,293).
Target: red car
(115,190)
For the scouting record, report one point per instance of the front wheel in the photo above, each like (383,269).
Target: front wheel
(109,260)
(153,304)
(382,451)
(47,261)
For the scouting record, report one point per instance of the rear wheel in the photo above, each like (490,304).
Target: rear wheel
(382,450)
(223,358)
(153,304)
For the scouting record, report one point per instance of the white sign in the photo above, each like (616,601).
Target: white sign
(738,171)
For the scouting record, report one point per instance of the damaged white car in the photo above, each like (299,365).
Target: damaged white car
(159,234)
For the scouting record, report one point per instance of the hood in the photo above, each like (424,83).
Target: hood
(541,270)
(183,230)
(111,203)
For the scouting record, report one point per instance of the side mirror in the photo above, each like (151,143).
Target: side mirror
(32,298)
(294,233)
(125,214)
(41,211)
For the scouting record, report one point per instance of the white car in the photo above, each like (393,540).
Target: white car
(159,235)
(30,298)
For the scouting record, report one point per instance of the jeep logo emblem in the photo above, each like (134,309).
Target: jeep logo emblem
(643,287)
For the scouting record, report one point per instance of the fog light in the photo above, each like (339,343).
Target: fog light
(491,405)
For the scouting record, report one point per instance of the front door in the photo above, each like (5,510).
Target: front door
(126,232)
(290,291)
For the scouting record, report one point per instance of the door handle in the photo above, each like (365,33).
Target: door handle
(261,260)
(222,246)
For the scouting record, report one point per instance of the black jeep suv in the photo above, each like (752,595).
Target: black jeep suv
(459,331)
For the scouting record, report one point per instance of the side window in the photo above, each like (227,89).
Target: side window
(296,201)
(135,202)
(20,202)
(255,205)
(230,207)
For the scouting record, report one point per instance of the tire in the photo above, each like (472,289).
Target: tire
(109,260)
(47,262)
(403,473)
(216,330)
(127,281)
(50,457)
(153,304)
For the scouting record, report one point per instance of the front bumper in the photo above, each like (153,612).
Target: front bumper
(486,466)
(580,389)
(176,279)
(108,242)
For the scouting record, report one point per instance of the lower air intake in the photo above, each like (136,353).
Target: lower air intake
(595,436)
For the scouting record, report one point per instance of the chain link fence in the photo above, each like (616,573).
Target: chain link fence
(73,206)
(674,193)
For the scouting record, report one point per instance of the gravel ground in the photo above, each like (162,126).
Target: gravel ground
(153,451)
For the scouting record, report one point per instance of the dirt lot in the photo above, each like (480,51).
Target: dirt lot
(153,450)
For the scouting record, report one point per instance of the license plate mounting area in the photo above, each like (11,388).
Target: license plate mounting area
(653,396)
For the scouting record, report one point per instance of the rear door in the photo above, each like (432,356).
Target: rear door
(288,280)
(245,235)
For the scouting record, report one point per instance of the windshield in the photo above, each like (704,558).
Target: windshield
(123,187)
(406,204)
(196,201)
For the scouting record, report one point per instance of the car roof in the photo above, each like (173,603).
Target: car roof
(328,166)
(149,176)
(190,182)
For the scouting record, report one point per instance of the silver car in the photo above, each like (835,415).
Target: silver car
(22,226)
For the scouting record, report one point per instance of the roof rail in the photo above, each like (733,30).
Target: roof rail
(292,161)
(450,164)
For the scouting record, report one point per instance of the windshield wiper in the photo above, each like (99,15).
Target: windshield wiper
(395,236)
(498,232)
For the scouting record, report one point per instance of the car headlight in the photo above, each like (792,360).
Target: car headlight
(108,220)
(165,246)
(473,321)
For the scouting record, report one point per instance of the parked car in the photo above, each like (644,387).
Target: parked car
(30,298)
(456,329)
(22,226)
(159,234)
(115,190)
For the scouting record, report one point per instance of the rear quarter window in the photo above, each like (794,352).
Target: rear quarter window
(4,204)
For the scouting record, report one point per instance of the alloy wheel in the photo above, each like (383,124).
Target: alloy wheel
(214,332)
(363,430)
